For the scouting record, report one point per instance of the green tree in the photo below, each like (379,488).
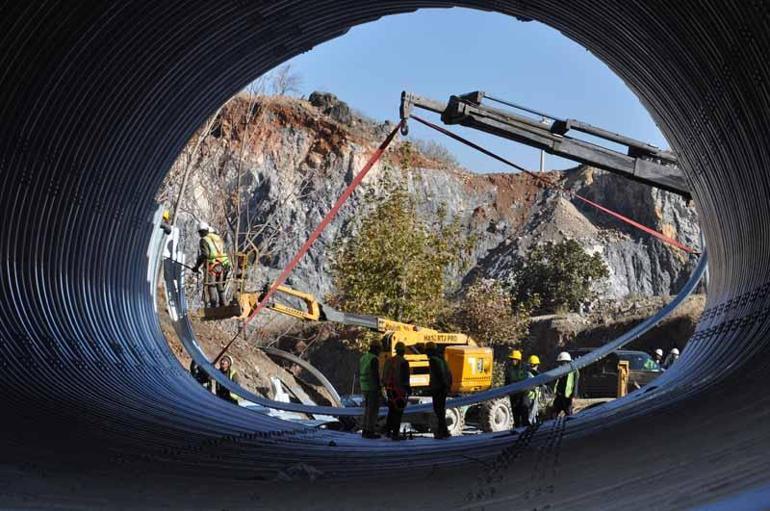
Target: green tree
(561,276)
(395,265)
(489,314)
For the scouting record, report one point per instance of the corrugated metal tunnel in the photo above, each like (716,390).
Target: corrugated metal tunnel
(97,101)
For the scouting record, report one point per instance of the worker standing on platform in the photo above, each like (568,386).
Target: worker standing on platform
(565,388)
(515,372)
(440,384)
(369,378)
(397,387)
(226,368)
(212,254)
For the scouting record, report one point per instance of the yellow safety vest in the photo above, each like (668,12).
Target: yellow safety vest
(216,250)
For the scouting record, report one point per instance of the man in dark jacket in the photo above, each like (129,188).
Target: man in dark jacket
(440,384)
(369,378)
(396,380)
(200,375)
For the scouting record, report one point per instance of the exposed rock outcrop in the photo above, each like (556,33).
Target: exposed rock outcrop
(305,152)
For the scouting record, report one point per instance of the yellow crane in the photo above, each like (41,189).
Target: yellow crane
(470,364)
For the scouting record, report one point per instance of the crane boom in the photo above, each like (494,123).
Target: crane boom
(642,162)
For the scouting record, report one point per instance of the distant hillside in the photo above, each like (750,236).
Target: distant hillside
(294,157)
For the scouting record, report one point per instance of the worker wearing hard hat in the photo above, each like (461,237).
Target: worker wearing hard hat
(565,389)
(672,357)
(440,383)
(212,254)
(656,362)
(395,376)
(532,397)
(369,379)
(226,368)
(515,372)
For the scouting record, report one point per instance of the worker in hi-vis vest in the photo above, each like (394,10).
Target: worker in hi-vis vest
(371,388)
(565,389)
(213,255)
(226,368)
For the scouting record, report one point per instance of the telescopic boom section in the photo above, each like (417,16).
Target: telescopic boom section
(641,162)
(314,310)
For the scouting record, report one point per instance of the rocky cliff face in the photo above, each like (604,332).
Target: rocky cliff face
(303,154)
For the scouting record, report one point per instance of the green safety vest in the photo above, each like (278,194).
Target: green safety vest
(365,376)
(569,384)
(519,373)
(516,373)
(216,250)
(533,394)
(222,391)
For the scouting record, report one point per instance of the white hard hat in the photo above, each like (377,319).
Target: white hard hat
(675,351)
(203,226)
(564,357)
(659,352)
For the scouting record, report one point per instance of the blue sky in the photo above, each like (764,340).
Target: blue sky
(439,52)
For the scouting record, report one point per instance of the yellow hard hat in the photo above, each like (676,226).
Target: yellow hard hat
(515,355)
(166,216)
(534,360)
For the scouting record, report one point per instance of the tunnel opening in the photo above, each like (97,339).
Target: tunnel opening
(245,175)
(78,290)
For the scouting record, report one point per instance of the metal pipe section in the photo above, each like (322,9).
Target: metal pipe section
(97,101)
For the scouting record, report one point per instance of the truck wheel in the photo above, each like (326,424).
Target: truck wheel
(495,415)
(455,421)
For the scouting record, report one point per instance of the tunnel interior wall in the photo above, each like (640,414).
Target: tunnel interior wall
(98,100)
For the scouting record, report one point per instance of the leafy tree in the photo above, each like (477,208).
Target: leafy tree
(489,315)
(395,265)
(562,276)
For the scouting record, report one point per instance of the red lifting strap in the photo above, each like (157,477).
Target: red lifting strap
(324,223)
(545,182)
(639,226)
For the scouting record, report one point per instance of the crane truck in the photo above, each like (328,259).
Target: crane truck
(471,365)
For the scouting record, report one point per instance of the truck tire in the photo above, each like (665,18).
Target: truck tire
(455,421)
(496,415)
